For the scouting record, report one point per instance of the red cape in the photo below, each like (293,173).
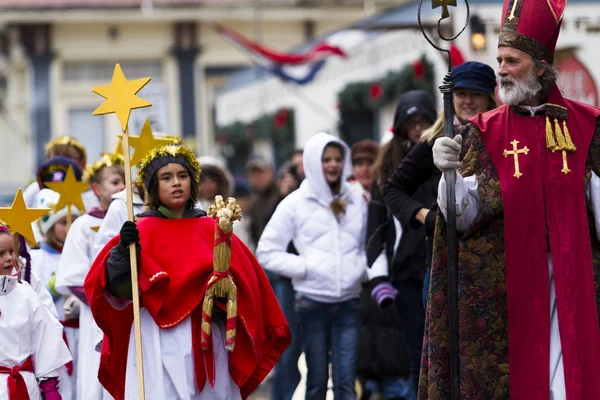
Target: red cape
(175,262)
(544,202)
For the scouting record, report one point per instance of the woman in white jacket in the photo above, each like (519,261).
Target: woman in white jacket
(325,218)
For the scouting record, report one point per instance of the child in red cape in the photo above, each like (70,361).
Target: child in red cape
(175,245)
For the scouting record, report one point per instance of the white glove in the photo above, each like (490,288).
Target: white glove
(71,307)
(446,152)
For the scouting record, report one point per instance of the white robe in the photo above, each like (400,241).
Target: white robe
(113,221)
(43,293)
(44,264)
(169,363)
(27,329)
(467,211)
(75,262)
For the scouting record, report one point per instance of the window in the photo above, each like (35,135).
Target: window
(103,71)
(89,130)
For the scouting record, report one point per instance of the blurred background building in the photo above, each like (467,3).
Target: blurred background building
(204,89)
(53,52)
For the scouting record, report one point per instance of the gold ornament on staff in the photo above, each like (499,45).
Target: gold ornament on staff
(121,98)
(221,284)
(18,219)
(444,4)
(70,190)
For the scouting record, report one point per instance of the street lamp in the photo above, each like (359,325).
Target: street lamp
(478,36)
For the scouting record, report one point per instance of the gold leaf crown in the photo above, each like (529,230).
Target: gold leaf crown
(176,139)
(107,160)
(169,150)
(67,141)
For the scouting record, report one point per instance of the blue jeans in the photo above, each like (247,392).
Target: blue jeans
(325,329)
(286,374)
(391,387)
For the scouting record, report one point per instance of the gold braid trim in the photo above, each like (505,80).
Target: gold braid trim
(559,139)
(184,316)
(570,144)
(156,275)
(562,145)
(224,213)
(107,160)
(169,150)
(550,142)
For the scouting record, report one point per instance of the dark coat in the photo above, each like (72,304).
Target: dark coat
(413,186)
(382,346)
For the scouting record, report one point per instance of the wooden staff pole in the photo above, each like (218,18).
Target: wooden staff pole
(69,217)
(134,273)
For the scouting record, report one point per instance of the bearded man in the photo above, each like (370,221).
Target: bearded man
(527,210)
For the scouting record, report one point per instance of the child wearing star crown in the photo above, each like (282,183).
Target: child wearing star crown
(44,264)
(58,151)
(106,177)
(32,348)
(175,243)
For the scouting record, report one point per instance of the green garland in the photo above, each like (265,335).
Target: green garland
(278,127)
(359,96)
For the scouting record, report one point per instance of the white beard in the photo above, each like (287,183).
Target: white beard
(513,92)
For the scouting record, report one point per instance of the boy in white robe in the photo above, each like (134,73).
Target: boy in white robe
(44,263)
(106,177)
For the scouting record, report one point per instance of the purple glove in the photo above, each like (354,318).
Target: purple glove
(49,389)
(384,294)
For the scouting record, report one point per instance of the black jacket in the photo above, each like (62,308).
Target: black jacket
(382,345)
(413,186)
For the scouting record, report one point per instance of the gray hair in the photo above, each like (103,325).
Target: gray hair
(548,78)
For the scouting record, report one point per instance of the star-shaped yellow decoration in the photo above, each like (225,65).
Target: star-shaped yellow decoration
(19,218)
(118,149)
(121,97)
(144,143)
(70,191)
(95,228)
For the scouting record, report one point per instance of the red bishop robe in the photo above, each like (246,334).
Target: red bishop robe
(176,260)
(503,262)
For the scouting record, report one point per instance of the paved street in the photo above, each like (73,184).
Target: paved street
(264,391)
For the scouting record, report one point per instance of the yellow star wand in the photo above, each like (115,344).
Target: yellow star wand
(121,98)
(19,218)
(70,191)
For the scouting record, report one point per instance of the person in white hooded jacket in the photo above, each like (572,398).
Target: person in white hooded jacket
(325,218)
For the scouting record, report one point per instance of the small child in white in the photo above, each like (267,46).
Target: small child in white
(32,348)
(44,264)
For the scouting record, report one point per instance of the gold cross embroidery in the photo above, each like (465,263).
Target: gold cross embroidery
(515,152)
(512,12)
(565,169)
